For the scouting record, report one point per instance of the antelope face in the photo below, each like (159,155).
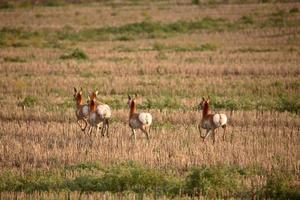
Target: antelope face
(92,96)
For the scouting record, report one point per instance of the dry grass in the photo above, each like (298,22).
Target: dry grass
(251,75)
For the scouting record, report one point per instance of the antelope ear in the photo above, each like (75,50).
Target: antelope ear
(75,90)
(135,96)
(203,99)
(129,97)
(96,92)
(81,89)
(80,92)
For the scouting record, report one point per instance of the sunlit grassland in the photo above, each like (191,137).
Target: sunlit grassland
(244,56)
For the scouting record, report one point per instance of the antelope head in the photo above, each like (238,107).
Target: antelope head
(131,100)
(77,96)
(203,103)
(92,96)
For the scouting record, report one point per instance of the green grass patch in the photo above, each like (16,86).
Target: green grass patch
(77,54)
(294,10)
(18,37)
(32,3)
(289,102)
(14,59)
(65,105)
(29,101)
(161,103)
(118,59)
(281,18)
(280,186)
(247,20)
(6,5)
(161,56)
(254,50)
(192,60)
(177,48)
(87,74)
(219,181)
(115,103)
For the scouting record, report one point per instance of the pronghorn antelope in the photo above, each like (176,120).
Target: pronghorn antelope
(210,122)
(82,110)
(140,121)
(99,113)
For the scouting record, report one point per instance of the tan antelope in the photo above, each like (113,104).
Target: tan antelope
(100,113)
(140,121)
(82,110)
(210,122)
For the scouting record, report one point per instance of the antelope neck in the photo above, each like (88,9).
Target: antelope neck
(132,108)
(205,109)
(78,101)
(92,105)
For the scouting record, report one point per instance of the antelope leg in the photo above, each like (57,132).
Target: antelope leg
(224,128)
(103,128)
(145,133)
(208,132)
(85,122)
(133,134)
(200,132)
(90,130)
(107,127)
(214,136)
(79,125)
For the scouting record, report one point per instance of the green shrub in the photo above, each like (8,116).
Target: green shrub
(255,50)
(279,186)
(216,182)
(115,103)
(159,46)
(125,37)
(247,20)
(211,181)
(65,105)
(161,103)
(6,5)
(9,181)
(229,104)
(75,54)
(195,2)
(279,13)
(294,10)
(29,101)
(289,103)
(52,3)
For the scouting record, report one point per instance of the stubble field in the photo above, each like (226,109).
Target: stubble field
(246,57)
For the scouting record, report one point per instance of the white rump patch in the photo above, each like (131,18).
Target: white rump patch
(145,118)
(219,119)
(85,111)
(104,111)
